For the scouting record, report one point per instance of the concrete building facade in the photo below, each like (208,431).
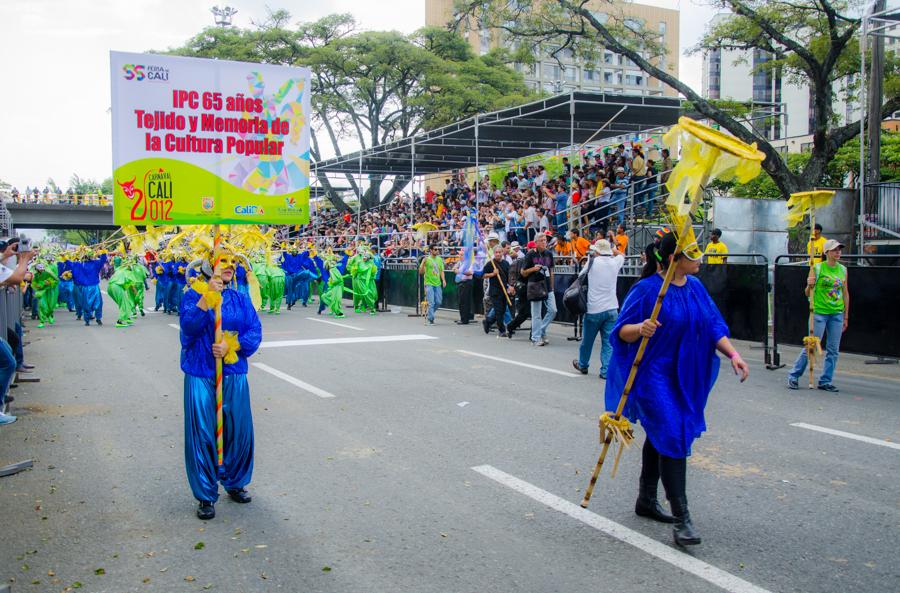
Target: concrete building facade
(612,73)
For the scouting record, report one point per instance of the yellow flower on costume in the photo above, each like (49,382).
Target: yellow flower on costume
(212,297)
(231,338)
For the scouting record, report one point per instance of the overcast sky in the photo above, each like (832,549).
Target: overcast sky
(54,56)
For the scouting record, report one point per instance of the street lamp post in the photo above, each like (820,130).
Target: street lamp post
(223,15)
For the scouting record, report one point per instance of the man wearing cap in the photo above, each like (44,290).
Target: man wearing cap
(602,304)
(432,268)
(716,247)
(827,284)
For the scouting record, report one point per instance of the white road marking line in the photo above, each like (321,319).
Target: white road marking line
(175,325)
(680,560)
(335,323)
(293,381)
(847,435)
(326,341)
(517,363)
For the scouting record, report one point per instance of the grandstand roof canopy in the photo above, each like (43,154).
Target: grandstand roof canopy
(513,133)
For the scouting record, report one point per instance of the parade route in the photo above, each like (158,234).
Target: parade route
(393,456)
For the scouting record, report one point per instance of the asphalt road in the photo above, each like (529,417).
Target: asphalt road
(364,478)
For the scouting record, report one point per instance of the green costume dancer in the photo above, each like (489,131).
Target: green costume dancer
(53,293)
(276,288)
(353,269)
(43,284)
(333,295)
(261,270)
(364,284)
(119,291)
(137,274)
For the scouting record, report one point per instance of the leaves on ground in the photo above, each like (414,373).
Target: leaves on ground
(326,569)
(199,546)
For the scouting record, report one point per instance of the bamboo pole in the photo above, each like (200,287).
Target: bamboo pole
(217,273)
(629,383)
(812,345)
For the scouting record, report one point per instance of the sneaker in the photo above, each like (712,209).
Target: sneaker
(206,511)
(578,367)
(121,324)
(543,342)
(99,322)
(792,384)
(431,322)
(510,333)
(829,387)
(87,322)
(40,325)
(501,335)
(6,419)
(484,324)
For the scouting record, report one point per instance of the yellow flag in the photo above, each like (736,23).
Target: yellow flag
(801,203)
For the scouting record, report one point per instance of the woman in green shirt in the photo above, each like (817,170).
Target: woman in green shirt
(831,307)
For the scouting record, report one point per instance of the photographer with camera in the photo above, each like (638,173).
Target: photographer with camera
(17,253)
(538,272)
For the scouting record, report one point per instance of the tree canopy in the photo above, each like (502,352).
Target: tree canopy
(814,42)
(370,87)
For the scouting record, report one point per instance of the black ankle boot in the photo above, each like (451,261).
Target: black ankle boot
(683,530)
(647,505)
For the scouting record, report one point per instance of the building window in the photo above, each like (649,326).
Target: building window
(662,28)
(571,74)
(609,58)
(633,24)
(551,71)
(590,75)
(485,41)
(806,147)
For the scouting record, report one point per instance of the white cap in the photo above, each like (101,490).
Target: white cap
(492,236)
(602,247)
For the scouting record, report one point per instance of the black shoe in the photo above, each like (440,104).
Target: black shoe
(647,505)
(484,324)
(683,528)
(510,333)
(304,304)
(78,317)
(99,322)
(290,306)
(581,370)
(206,511)
(829,387)
(458,322)
(240,496)
(10,399)
(87,322)
(142,313)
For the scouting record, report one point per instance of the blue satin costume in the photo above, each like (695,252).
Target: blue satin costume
(198,365)
(290,263)
(66,287)
(162,286)
(679,366)
(173,290)
(240,276)
(86,275)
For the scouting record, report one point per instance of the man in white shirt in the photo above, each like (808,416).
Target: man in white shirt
(602,304)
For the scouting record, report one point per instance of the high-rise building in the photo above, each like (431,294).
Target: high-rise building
(612,73)
(780,109)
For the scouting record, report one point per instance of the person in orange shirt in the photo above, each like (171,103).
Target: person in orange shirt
(580,245)
(565,248)
(621,239)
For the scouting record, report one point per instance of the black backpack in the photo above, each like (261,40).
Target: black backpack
(575,297)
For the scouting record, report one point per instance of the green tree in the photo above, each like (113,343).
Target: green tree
(79,236)
(846,160)
(815,42)
(370,87)
(81,186)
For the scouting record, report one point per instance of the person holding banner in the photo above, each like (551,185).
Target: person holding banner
(242,337)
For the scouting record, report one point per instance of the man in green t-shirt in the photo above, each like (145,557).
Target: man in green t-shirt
(827,283)
(432,267)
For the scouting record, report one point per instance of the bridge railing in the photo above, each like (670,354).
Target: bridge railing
(65,199)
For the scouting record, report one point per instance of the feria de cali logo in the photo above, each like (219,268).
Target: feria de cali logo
(250,210)
(139,72)
(290,202)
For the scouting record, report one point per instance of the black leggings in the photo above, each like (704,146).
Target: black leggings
(673,471)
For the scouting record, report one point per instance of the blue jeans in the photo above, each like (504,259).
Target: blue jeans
(539,325)
(618,203)
(830,325)
(7,370)
(507,317)
(595,323)
(20,350)
(562,225)
(435,296)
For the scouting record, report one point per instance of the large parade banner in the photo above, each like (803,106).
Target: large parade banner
(198,141)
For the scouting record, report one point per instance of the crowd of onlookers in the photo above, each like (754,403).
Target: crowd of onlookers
(583,203)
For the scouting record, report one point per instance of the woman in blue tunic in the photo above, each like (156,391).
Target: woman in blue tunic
(674,379)
(243,334)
